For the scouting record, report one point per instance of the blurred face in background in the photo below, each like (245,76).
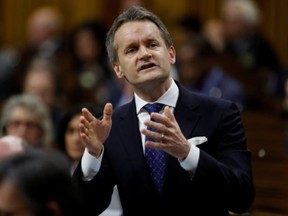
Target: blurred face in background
(191,66)
(234,24)
(73,144)
(24,123)
(87,47)
(40,83)
(43,24)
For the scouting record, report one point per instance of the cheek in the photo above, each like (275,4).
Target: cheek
(68,140)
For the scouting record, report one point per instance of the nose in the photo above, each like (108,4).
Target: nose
(144,53)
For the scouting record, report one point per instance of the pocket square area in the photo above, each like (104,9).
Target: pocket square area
(198,140)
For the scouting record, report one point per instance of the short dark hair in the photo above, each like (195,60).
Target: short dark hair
(132,14)
(42,176)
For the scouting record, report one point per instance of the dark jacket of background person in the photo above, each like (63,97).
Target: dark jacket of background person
(200,71)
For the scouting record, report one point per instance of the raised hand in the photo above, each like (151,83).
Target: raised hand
(93,131)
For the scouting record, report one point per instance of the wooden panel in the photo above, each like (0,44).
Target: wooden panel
(267,142)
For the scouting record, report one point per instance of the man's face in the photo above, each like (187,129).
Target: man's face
(142,53)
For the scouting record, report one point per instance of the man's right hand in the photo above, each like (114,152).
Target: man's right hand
(93,131)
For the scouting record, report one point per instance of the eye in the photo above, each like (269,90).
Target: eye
(70,130)
(130,50)
(153,44)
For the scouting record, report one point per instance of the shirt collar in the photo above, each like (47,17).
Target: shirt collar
(169,98)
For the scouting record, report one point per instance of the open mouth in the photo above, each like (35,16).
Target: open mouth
(146,66)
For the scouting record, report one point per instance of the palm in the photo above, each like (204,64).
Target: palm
(93,131)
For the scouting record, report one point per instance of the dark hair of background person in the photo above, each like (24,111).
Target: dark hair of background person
(42,176)
(66,118)
(99,33)
(191,23)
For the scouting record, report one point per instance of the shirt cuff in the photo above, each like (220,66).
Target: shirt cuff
(191,161)
(90,165)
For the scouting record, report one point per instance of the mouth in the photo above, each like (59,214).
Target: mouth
(146,66)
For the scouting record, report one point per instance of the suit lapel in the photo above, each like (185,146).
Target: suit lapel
(130,139)
(186,112)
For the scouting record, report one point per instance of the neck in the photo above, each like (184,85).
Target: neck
(154,92)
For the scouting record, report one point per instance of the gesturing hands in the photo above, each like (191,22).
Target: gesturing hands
(168,137)
(93,131)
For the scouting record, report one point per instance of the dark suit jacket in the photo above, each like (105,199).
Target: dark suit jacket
(223,179)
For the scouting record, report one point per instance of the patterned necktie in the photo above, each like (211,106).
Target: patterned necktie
(156,159)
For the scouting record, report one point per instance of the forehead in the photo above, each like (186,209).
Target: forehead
(22,112)
(75,119)
(10,198)
(137,30)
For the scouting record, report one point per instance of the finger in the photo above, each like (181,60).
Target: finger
(156,136)
(87,114)
(164,118)
(155,125)
(169,114)
(83,134)
(107,112)
(156,145)
(84,122)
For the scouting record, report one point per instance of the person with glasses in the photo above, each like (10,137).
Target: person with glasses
(27,117)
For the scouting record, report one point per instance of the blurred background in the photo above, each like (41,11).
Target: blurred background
(237,52)
(14,14)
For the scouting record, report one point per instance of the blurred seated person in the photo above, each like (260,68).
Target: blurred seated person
(27,117)
(8,61)
(45,39)
(42,81)
(187,26)
(213,31)
(70,143)
(43,31)
(244,40)
(10,145)
(200,72)
(68,137)
(38,182)
(91,73)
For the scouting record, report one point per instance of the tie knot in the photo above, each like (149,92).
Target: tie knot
(155,107)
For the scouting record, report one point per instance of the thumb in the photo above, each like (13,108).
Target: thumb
(107,112)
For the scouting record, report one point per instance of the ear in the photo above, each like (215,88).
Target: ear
(172,54)
(118,70)
(54,208)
